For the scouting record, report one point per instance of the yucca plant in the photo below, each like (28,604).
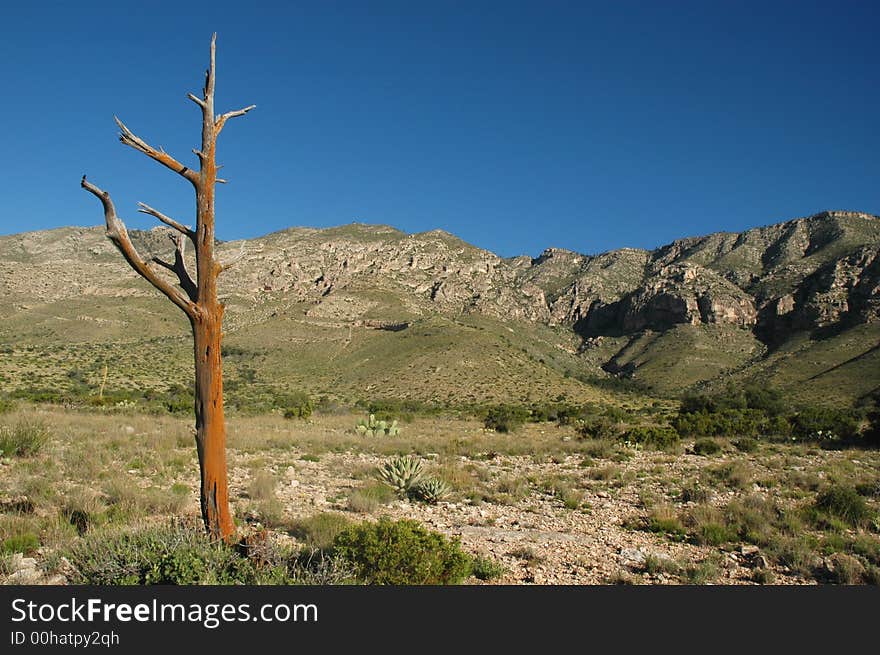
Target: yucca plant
(401,473)
(431,490)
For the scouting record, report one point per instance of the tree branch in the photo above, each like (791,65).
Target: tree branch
(183,229)
(179,266)
(196,99)
(129,138)
(220,121)
(118,234)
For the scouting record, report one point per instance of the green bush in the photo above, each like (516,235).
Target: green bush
(824,424)
(171,555)
(485,568)
(656,436)
(845,504)
(707,447)
(297,404)
(25,438)
(723,423)
(402,553)
(505,418)
(597,427)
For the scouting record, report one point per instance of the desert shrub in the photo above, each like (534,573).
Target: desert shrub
(486,568)
(663,519)
(736,474)
(553,413)
(505,418)
(707,447)
(824,424)
(402,553)
(526,553)
(316,567)
(763,576)
(694,492)
(597,427)
(320,530)
(25,438)
(370,497)
(843,503)
(702,572)
(656,436)
(723,423)
(296,404)
(174,555)
(708,526)
(767,400)
(756,519)
(746,445)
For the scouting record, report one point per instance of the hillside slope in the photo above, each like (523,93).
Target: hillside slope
(365,311)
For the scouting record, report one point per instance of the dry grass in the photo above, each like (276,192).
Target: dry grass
(102,471)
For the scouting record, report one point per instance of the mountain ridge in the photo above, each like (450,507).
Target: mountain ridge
(696,312)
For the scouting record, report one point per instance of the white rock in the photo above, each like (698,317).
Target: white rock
(632,556)
(24,576)
(21,563)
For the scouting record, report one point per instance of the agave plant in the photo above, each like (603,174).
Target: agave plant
(431,490)
(401,473)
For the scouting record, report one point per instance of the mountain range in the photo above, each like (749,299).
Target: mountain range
(367,311)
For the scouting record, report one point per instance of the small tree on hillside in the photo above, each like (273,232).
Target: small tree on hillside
(196,298)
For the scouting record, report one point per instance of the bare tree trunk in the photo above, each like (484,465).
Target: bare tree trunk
(210,424)
(197,299)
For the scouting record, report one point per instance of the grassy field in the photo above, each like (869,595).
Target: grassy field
(540,505)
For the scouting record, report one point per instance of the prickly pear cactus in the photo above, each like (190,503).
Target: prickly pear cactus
(374,428)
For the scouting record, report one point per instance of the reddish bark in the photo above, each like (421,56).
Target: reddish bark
(197,299)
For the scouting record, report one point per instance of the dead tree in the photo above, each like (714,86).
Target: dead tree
(196,298)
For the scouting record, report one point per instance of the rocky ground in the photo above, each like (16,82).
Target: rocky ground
(551,509)
(538,539)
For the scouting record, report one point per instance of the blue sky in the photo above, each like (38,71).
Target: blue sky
(515,125)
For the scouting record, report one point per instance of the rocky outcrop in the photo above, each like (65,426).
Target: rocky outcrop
(797,275)
(681,293)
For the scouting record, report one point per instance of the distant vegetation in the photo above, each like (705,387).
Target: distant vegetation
(762,412)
